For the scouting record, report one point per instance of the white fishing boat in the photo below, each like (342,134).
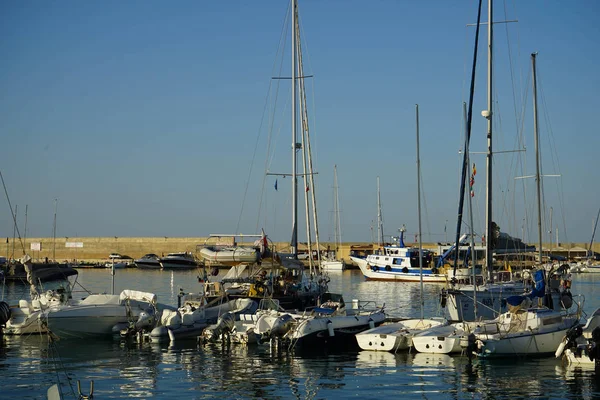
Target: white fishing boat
(102,315)
(399,263)
(178,261)
(148,261)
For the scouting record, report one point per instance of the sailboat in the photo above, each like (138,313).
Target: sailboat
(398,336)
(476,300)
(332,262)
(282,276)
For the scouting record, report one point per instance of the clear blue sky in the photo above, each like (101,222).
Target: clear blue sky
(141,117)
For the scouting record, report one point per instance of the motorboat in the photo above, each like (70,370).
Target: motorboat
(148,261)
(182,260)
(24,316)
(117,261)
(103,315)
(581,344)
(395,336)
(442,339)
(328,326)
(195,314)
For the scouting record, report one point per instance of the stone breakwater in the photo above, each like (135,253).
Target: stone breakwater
(97,249)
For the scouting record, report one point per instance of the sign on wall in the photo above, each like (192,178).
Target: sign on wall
(36,246)
(74,244)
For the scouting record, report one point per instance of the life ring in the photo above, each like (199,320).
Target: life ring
(369,266)
(405,270)
(388,268)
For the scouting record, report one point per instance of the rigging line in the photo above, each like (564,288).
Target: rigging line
(14,217)
(511,67)
(281,47)
(468,137)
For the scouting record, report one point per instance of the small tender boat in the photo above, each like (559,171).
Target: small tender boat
(443,339)
(395,336)
(183,260)
(148,261)
(225,249)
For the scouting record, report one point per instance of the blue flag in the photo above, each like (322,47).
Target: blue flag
(275,184)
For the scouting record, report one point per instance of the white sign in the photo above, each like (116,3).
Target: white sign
(74,244)
(36,246)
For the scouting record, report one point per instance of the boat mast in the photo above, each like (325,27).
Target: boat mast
(419,212)
(472,241)
(593,234)
(488,114)
(338,225)
(54,232)
(379,218)
(294,242)
(537,157)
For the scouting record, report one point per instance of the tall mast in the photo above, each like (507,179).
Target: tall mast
(294,242)
(537,157)
(54,233)
(419,212)
(338,225)
(489,115)
(379,218)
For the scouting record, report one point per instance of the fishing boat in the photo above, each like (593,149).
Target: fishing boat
(399,263)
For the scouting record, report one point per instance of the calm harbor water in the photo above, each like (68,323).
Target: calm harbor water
(28,366)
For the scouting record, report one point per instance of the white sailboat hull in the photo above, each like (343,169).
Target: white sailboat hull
(525,343)
(333,265)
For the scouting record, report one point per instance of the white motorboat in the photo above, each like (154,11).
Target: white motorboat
(182,260)
(23,318)
(148,261)
(102,314)
(395,336)
(117,261)
(581,344)
(443,339)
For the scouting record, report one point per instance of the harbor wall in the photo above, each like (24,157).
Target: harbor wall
(98,249)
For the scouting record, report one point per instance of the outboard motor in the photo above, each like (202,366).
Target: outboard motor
(594,347)
(146,321)
(224,324)
(282,325)
(570,340)
(5,313)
